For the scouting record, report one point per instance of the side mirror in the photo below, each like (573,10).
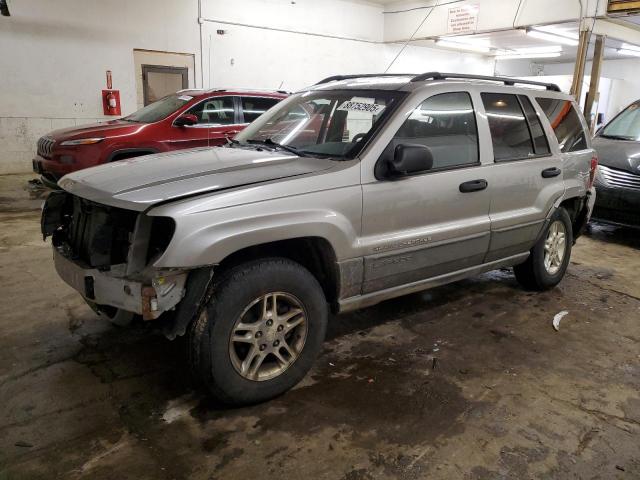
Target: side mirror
(409,159)
(185,120)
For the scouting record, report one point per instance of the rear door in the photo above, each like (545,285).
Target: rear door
(527,172)
(434,222)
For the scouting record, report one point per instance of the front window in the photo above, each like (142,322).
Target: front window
(625,126)
(215,111)
(159,110)
(445,123)
(326,123)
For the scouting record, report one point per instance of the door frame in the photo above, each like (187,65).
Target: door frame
(184,71)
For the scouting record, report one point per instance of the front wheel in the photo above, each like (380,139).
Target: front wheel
(550,256)
(260,332)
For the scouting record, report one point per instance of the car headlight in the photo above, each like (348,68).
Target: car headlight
(82,141)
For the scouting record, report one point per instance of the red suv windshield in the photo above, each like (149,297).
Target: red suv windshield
(159,110)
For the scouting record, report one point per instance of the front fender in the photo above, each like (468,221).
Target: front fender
(207,237)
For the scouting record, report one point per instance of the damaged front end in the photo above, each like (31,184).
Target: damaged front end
(107,255)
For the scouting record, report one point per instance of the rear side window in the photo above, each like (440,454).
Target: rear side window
(253,107)
(565,123)
(447,125)
(509,128)
(540,144)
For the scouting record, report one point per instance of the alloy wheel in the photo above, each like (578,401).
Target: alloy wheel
(555,247)
(268,336)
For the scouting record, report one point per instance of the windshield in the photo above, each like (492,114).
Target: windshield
(325,123)
(625,126)
(159,110)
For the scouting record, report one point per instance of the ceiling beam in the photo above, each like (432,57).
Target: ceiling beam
(610,28)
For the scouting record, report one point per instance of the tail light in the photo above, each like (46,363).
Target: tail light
(592,171)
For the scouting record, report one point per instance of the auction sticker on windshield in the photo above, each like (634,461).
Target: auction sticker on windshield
(351,106)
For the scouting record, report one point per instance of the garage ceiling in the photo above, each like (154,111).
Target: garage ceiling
(516,39)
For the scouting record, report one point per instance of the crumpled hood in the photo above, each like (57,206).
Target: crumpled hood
(138,183)
(101,129)
(621,154)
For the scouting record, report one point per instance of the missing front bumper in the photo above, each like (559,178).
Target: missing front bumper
(149,299)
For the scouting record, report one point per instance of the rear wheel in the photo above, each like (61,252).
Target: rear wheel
(550,256)
(260,332)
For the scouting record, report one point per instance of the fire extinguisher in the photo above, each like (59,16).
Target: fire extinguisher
(112,103)
(110,98)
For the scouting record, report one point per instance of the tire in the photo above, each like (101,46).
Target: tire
(534,274)
(217,361)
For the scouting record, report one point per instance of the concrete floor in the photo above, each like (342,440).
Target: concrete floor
(467,381)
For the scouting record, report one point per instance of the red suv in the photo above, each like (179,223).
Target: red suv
(186,119)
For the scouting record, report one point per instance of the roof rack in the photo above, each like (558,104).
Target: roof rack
(364,75)
(506,80)
(443,76)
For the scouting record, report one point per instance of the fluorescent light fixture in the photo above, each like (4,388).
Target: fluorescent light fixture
(557,30)
(626,51)
(629,46)
(552,37)
(527,51)
(463,46)
(515,56)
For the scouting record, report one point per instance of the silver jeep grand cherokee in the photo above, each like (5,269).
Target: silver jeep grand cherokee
(353,191)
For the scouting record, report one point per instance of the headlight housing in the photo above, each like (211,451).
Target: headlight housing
(82,141)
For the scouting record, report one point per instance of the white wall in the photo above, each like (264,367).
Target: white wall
(292,61)
(55,54)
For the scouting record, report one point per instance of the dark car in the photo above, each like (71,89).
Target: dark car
(186,119)
(618,177)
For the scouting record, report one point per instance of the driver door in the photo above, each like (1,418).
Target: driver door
(435,222)
(217,117)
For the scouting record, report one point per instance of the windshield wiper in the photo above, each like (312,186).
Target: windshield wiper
(270,143)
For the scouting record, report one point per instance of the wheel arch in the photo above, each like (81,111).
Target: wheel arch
(316,254)
(577,209)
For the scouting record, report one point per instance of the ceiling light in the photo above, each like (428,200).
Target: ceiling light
(552,37)
(463,46)
(514,56)
(557,30)
(542,49)
(629,46)
(626,51)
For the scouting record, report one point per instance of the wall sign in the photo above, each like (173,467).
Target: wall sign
(463,19)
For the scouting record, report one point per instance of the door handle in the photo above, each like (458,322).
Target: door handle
(231,132)
(551,172)
(473,186)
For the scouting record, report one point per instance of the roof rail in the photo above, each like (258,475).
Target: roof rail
(364,75)
(506,80)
